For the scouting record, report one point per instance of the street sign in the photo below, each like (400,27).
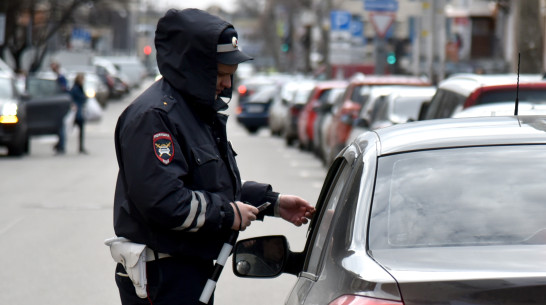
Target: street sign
(340,20)
(381,22)
(381,5)
(357,31)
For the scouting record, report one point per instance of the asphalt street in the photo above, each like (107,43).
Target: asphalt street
(56,211)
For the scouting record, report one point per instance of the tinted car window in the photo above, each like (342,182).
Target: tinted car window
(326,216)
(457,197)
(444,104)
(524,95)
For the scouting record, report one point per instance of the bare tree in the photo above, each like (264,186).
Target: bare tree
(31,24)
(529,38)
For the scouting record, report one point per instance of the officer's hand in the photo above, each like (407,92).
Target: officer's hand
(248,214)
(295,209)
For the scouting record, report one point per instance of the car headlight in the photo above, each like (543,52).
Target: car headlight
(8,113)
(90,93)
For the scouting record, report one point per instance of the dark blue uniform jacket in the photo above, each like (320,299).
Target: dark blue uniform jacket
(177,170)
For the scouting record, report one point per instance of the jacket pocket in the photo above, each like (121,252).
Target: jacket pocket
(204,154)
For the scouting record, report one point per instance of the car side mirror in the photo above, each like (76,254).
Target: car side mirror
(265,256)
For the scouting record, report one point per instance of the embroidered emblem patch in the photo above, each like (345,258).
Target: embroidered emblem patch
(163,147)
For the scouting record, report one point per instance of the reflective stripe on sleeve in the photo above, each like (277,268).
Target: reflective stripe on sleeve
(191,215)
(202,213)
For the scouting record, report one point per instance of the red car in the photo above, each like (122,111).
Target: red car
(353,100)
(463,91)
(308,115)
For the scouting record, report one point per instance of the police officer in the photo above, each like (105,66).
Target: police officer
(179,191)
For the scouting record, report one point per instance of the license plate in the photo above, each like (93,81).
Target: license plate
(254,108)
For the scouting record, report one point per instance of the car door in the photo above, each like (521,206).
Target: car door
(46,106)
(332,195)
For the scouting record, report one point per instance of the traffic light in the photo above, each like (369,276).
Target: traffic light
(391,58)
(286,43)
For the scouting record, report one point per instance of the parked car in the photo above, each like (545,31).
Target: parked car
(308,115)
(13,119)
(112,77)
(131,67)
(502,109)
(461,91)
(278,110)
(391,105)
(301,95)
(443,212)
(249,86)
(254,113)
(355,98)
(323,121)
(46,104)
(93,86)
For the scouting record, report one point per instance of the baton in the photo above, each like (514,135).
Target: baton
(221,261)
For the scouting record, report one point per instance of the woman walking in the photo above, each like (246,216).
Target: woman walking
(79,98)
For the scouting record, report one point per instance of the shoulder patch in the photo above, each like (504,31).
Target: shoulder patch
(163,147)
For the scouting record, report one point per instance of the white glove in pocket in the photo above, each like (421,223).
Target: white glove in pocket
(133,258)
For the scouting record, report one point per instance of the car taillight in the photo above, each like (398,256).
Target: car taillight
(242,89)
(360,300)
(238,110)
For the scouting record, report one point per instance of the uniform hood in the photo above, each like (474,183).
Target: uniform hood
(186,42)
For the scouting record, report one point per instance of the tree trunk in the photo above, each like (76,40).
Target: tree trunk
(529,37)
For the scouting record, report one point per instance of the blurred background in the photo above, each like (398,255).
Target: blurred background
(328,38)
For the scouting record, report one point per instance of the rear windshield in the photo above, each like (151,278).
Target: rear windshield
(463,196)
(524,95)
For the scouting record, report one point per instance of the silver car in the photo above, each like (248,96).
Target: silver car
(447,211)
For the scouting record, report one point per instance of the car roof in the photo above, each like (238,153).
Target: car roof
(389,79)
(330,84)
(466,83)
(450,133)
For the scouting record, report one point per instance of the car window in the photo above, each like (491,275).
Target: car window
(524,95)
(323,97)
(444,104)
(457,197)
(380,108)
(361,94)
(405,108)
(6,88)
(43,87)
(320,231)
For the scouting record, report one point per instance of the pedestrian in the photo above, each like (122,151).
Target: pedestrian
(63,86)
(80,98)
(179,193)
